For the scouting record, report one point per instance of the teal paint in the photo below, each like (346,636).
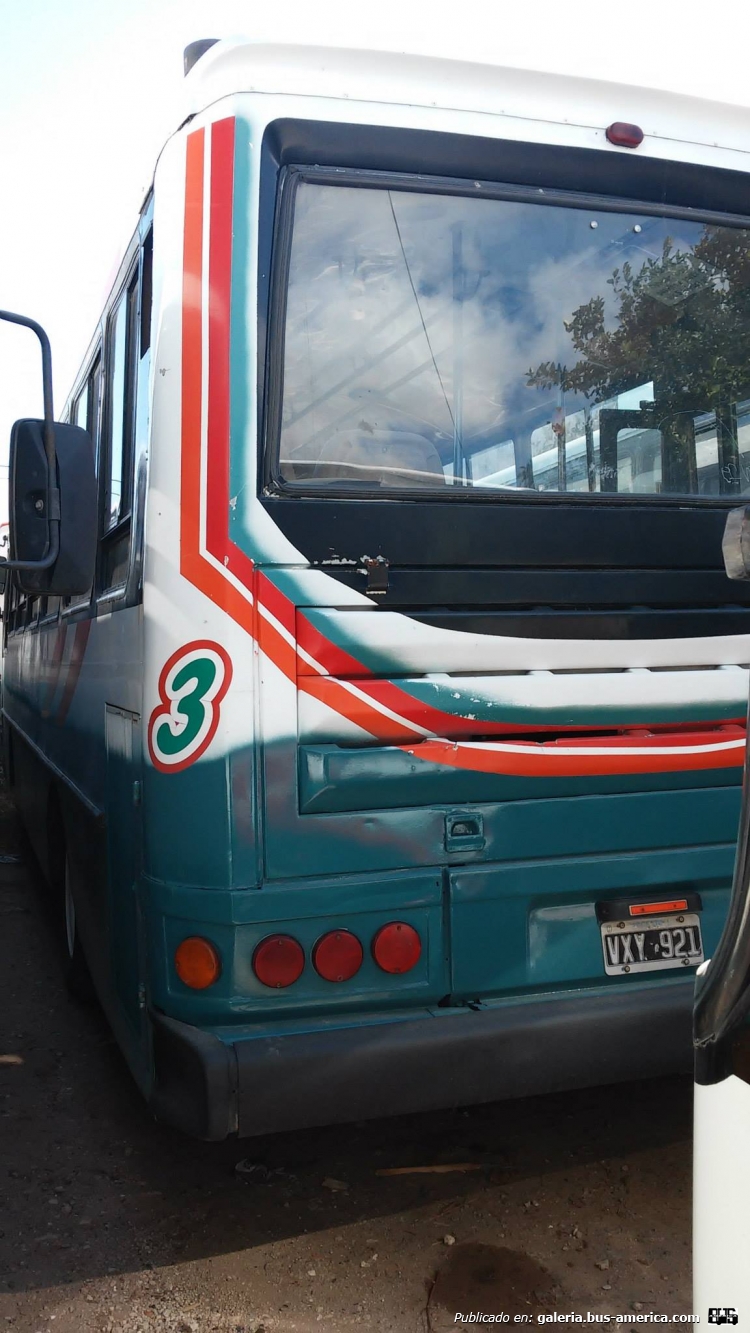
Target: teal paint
(334,779)
(298,898)
(380,661)
(460,699)
(123,744)
(187,828)
(529,927)
(247,872)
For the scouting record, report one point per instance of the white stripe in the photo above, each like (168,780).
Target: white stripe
(381,708)
(596,750)
(228,575)
(313,662)
(280,629)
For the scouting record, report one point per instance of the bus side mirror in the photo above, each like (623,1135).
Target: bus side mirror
(73,493)
(53,509)
(735,546)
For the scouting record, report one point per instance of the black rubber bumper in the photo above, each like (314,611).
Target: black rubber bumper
(259,1085)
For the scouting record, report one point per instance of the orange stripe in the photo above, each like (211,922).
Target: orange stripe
(192,358)
(276,647)
(277,603)
(332,693)
(332,658)
(219,312)
(193,566)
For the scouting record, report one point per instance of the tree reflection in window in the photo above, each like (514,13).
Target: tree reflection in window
(445,341)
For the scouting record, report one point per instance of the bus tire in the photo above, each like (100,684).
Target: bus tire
(60,880)
(77,976)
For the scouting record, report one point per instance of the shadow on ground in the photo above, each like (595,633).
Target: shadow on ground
(94,1187)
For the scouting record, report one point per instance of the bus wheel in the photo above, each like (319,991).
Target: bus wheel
(77,975)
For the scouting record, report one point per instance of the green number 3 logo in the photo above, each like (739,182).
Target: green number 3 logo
(192,684)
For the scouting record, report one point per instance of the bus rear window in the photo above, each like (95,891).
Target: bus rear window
(442,341)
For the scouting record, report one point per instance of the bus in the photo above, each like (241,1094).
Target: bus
(389,756)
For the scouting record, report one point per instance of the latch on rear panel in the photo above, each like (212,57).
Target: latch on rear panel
(376,568)
(464,831)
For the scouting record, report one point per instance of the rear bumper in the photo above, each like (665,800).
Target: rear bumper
(257,1085)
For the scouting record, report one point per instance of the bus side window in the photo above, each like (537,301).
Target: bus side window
(85,413)
(117,451)
(81,407)
(147,283)
(11,605)
(494,466)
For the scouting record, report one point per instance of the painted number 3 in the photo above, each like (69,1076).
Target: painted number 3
(192,684)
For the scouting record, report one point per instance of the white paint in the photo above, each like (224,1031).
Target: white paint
(537,695)
(425,647)
(237,65)
(721,1198)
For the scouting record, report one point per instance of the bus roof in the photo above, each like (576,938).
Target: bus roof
(236,64)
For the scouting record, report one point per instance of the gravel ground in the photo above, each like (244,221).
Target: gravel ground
(578,1202)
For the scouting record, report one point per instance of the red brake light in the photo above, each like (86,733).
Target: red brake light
(624,135)
(278,961)
(396,947)
(337,956)
(658,909)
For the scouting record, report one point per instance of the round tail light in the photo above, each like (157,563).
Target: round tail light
(396,947)
(337,956)
(197,963)
(278,961)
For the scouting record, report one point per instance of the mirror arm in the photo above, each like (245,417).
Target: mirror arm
(53,494)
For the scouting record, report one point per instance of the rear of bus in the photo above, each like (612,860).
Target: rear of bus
(445,682)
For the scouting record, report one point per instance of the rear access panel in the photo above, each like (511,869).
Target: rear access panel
(533,925)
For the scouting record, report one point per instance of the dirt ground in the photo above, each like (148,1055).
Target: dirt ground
(110,1222)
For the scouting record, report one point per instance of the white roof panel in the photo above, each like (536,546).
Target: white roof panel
(237,65)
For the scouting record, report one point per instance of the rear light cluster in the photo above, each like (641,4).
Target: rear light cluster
(279,960)
(338,955)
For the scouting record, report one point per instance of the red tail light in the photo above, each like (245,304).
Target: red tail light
(337,956)
(396,947)
(278,961)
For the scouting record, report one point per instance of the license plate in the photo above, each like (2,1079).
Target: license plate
(666,941)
